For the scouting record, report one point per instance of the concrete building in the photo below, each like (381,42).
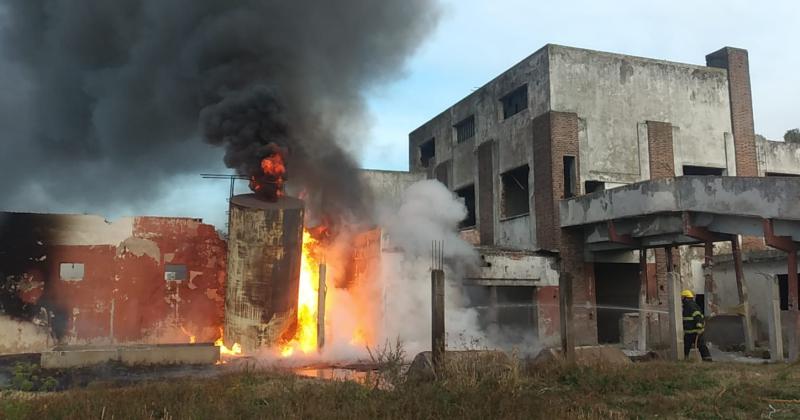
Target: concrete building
(566,122)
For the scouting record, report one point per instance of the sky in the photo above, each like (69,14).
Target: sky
(477,40)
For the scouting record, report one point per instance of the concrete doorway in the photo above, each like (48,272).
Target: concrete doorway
(617,293)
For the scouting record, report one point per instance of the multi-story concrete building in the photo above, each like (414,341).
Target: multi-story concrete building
(567,122)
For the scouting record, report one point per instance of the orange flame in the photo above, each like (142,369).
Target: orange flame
(305,338)
(273,171)
(192,337)
(235,350)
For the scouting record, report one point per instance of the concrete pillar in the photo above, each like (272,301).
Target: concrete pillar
(437,320)
(675,309)
(485,192)
(741,288)
(794,324)
(711,297)
(643,308)
(493,304)
(565,314)
(322,291)
(774,320)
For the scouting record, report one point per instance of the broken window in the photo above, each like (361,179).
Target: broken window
(783,290)
(515,102)
(174,272)
(593,186)
(468,195)
(71,271)
(465,129)
(702,170)
(516,200)
(427,151)
(569,176)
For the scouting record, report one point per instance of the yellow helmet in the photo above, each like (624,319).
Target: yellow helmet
(687,294)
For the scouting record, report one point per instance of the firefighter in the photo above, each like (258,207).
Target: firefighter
(693,326)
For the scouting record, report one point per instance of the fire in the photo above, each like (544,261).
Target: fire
(305,338)
(269,182)
(235,350)
(192,337)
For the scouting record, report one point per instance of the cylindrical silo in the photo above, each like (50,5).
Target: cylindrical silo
(265,240)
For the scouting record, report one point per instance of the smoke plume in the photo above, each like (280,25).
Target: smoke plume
(105,100)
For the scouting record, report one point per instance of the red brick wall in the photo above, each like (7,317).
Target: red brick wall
(555,135)
(123,294)
(735,60)
(661,155)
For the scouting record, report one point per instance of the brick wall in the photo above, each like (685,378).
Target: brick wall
(659,142)
(555,135)
(486,193)
(735,60)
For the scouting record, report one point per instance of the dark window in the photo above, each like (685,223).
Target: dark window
(780,174)
(468,195)
(569,176)
(465,129)
(71,271)
(702,170)
(516,200)
(174,272)
(515,102)
(593,186)
(427,151)
(783,290)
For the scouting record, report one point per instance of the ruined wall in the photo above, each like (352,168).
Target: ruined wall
(613,94)
(778,157)
(759,268)
(117,288)
(511,138)
(388,187)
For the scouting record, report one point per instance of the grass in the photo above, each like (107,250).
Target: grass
(480,391)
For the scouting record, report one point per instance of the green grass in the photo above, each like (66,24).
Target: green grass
(647,390)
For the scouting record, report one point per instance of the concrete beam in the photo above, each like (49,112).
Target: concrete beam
(764,197)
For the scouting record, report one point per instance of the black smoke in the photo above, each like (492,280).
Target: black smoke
(103,101)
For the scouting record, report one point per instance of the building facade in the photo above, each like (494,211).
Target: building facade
(83,280)
(566,122)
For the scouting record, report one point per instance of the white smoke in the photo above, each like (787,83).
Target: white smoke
(429,212)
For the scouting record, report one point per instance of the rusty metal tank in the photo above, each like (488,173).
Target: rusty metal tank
(265,240)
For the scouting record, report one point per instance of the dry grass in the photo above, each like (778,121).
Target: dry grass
(480,389)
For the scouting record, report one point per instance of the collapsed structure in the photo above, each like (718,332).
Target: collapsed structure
(566,164)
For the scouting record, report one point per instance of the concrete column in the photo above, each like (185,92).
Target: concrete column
(712,299)
(794,323)
(741,288)
(322,291)
(565,313)
(774,320)
(437,320)
(643,308)
(675,309)
(493,304)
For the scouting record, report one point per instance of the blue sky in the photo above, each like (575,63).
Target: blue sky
(477,40)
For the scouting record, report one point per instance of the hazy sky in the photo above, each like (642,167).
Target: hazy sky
(477,40)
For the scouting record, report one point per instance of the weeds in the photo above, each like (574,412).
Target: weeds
(483,385)
(29,377)
(390,364)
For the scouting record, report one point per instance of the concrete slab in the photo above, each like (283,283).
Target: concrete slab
(586,356)
(165,354)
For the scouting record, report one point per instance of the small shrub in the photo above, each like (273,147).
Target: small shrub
(29,377)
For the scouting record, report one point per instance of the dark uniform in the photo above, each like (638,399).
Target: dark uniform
(693,325)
